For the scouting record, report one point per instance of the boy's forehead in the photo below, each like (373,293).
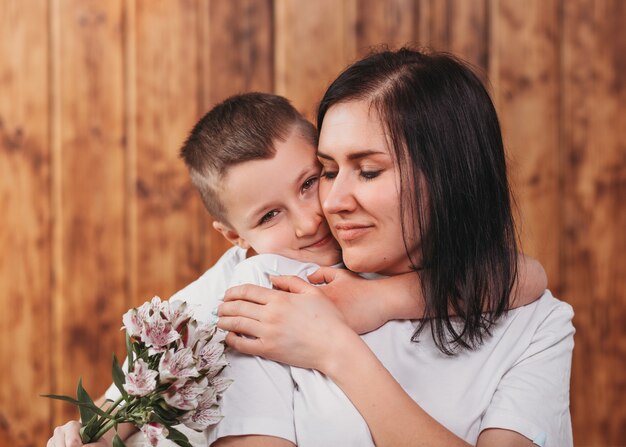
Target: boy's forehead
(261,181)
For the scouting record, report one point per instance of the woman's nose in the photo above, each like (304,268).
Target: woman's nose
(338,198)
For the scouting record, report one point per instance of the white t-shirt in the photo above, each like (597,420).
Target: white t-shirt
(517,380)
(204,294)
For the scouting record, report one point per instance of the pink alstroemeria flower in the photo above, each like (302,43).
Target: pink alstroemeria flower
(209,355)
(177,313)
(154,432)
(177,365)
(158,333)
(207,412)
(132,323)
(142,381)
(198,334)
(184,394)
(220,383)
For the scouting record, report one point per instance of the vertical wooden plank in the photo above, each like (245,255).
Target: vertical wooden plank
(90,278)
(390,23)
(313,43)
(168,250)
(525,75)
(236,55)
(594,214)
(25,225)
(458,26)
(246,26)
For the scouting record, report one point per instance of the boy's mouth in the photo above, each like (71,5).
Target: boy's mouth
(320,243)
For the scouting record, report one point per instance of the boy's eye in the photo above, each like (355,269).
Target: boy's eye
(309,183)
(268,216)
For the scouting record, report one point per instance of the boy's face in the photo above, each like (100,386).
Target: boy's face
(273,207)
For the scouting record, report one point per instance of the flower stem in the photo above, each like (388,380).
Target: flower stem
(110,423)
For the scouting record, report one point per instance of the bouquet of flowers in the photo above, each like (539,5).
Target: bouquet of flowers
(173,377)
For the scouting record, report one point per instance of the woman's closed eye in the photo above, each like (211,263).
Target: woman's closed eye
(327,174)
(369,175)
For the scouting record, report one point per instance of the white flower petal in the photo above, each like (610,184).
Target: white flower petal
(154,432)
(142,381)
(220,383)
(177,364)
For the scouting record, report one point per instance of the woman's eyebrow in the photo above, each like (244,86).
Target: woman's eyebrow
(324,156)
(355,155)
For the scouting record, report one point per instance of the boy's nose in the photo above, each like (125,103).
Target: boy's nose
(307,223)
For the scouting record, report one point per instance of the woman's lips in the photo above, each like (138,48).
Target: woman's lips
(351,232)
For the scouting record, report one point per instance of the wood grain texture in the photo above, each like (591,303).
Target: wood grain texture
(25,239)
(312,45)
(390,23)
(240,42)
(525,73)
(458,26)
(167,93)
(594,214)
(90,291)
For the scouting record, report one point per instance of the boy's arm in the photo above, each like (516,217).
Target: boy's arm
(368,304)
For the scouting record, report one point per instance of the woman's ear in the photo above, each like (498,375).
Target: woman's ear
(230,234)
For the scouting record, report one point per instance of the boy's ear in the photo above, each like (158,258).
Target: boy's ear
(230,234)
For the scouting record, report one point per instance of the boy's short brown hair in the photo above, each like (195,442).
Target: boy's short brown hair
(242,128)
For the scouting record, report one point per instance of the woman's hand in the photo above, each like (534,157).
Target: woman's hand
(297,325)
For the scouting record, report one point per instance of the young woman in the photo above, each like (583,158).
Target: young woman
(414,179)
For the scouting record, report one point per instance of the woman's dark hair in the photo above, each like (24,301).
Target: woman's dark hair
(442,124)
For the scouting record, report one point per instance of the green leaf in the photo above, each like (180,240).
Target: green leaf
(59,397)
(86,413)
(117,441)
(91,406)
(165,414)
(118,377)
(89,429)
(178,437)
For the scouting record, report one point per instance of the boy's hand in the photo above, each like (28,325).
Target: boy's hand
(68,436)
(363,308)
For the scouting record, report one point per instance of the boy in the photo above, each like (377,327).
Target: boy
(253,160)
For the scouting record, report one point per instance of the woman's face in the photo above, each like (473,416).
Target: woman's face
(360,190)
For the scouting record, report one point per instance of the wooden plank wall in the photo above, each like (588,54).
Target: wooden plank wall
(98,214)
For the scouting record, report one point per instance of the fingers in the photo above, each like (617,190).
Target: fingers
(324,275)
(66,436)
(251,293)
(239,308)
(292,284)
(251,346)
(241,325)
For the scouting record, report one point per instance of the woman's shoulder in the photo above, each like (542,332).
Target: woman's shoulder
(547,308)
(547,322)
